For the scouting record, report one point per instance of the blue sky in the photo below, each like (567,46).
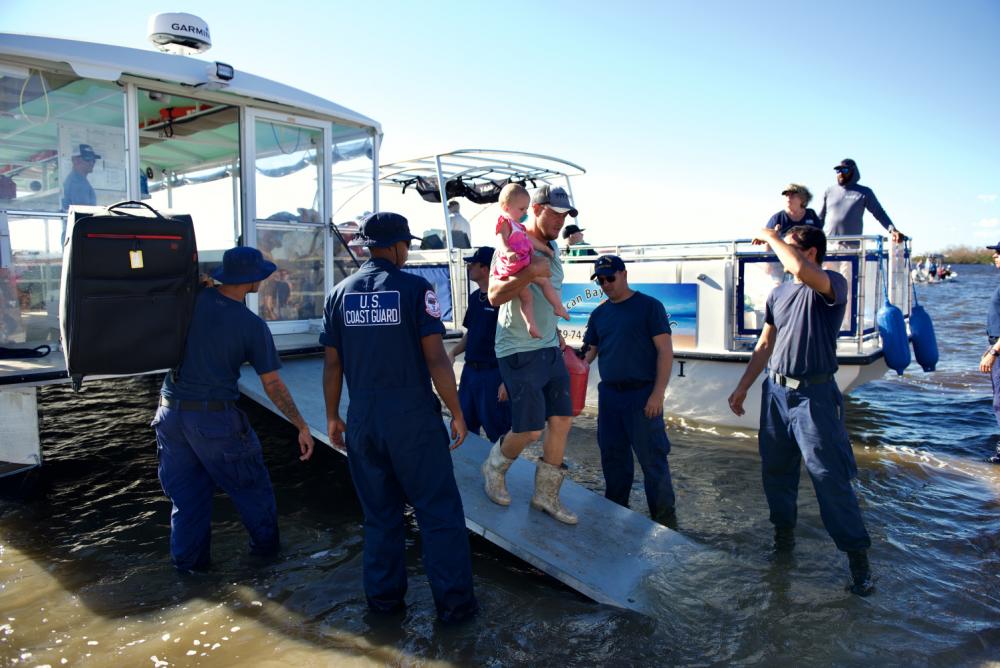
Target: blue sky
(690,117)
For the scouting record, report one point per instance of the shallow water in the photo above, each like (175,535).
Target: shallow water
(85,577)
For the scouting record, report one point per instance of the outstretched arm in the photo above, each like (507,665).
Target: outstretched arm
(758,360)
(279,395)
(875,208)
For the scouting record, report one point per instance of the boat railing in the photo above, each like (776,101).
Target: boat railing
(866,261)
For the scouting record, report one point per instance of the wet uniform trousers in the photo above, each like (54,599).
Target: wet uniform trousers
(397,444)
(477,393)
(808,424)
(621,423)
(200,450)
(397,449)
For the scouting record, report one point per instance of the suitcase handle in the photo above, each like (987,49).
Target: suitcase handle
(111,209)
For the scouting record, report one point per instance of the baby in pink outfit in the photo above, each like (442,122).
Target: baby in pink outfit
(515,247)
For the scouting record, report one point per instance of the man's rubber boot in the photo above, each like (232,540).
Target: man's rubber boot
(548,480)
(784,539)
(861,573)
(494,470)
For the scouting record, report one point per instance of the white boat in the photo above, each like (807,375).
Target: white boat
(714,291)
(251,160)
(258,162)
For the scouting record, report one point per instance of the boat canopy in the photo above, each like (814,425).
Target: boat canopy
(475,174)
(110,63)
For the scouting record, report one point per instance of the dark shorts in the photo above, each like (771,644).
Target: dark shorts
(538,385)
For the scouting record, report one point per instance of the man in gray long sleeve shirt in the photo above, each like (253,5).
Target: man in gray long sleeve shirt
(844,205)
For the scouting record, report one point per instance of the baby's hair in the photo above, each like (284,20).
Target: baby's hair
(511,192)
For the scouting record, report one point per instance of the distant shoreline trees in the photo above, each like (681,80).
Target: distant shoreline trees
(962,255)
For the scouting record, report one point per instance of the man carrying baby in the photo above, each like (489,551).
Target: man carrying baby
(532,368)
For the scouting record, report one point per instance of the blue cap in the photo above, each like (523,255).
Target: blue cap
(483,255)
(995,248)
(86,152)
(382,230)
(243,264)
(606,265)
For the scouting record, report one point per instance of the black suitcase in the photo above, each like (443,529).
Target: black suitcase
(129,280)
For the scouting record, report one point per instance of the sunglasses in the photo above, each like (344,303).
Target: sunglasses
(842,170)
(601,280)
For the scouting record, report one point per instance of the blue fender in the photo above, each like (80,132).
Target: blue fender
(895,344)
(925,347)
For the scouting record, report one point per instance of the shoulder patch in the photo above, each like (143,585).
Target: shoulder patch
(431,304)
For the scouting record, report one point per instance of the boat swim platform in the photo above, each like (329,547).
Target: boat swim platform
(613,554)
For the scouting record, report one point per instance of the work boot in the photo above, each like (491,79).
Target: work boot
(666,516)
(784,539)
(494,469)
(861,573)
(548,480)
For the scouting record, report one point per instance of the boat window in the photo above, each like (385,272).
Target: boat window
(296,290)
(289,164)
(189,153)
(352,196)
(30,270)
(62,140)
(291,231)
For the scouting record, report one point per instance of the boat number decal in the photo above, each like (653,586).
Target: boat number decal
(371,309)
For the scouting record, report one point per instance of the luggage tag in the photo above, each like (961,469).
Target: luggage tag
(135,259)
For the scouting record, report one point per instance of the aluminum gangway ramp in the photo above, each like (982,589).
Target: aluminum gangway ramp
(611,556)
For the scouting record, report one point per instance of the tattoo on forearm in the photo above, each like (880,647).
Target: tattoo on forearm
(282,398)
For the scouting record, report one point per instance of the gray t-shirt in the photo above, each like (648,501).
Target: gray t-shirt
(808,325)
(512,332)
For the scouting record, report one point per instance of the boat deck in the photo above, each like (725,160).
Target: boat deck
(611,556)
(52,368)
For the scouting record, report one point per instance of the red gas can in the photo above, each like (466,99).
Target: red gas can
(579,373)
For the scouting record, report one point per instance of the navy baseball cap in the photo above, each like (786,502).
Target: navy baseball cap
(557,199)
(569,230)
(382,229)
(483,255)
(995,248)
(86,151)
(243,264)
(607,265)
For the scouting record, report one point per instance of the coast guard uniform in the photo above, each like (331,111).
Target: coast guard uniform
(203,440)
(397,444)
(802,413)
(480,380)
(993,333)
(623,334)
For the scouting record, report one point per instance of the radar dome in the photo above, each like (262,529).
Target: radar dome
(179,33)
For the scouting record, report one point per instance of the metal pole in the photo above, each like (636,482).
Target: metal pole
(860,300)
(458,296)
(376,146)
(234,175)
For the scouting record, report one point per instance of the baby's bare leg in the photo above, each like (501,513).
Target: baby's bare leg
(552,296)
(528,311)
